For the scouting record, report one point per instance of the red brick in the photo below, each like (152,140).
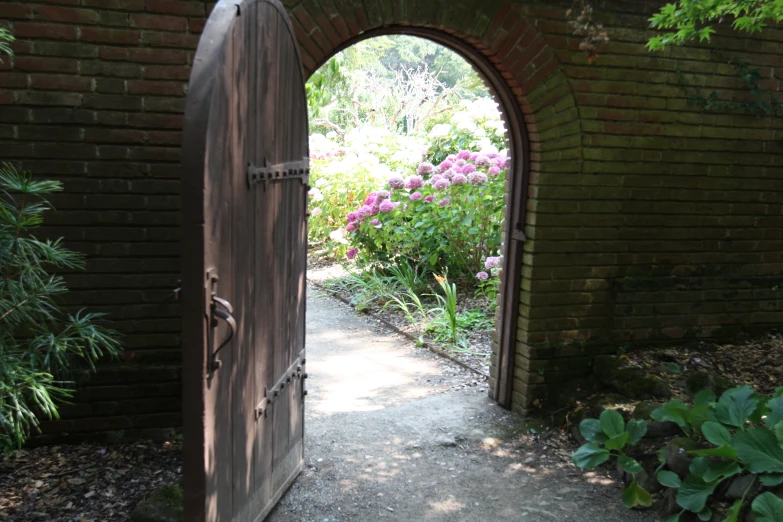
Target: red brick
(13,80)
(157,72)
(156,88)
(155,121)
(13,11)
(36,63)
(110,36)
(165,138)
(160,22)
(66,14)
(121,5)
(161,56)
(45,31)
(176,7)
(115,136)
(113,53)
(196,25)
(60,82)
(177,40)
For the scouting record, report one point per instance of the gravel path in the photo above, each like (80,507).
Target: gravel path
(394,432)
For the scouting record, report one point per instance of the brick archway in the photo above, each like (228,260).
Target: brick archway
(523,73)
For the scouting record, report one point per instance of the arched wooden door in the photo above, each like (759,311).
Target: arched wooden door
(244,200)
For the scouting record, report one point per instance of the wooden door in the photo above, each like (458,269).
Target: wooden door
(244,200)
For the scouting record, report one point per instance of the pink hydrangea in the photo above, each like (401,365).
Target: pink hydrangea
(449,174)
(477,178)
(483,161)
(452,158)
(350,228)
(413,182)
(500,162)
(352,216)
(381,195)
(473,156)
(375,222)
(494,171)
(370,201)
(416,196)
(425,168)
(463,155)
(482,276)
(429,198)
(467,169)
(491,262)
(365,211)
(460,163)
(441,184)
(351,253)
(386,206)
(459,179)
(396,182)
(446,165)
(444,202)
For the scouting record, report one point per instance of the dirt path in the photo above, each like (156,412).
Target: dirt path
(395,433)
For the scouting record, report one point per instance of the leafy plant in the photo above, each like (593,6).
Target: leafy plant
(39,341)
(448,307)
(5,39)
(607,437)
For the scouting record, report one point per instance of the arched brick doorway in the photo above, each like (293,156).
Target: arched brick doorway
(523,73)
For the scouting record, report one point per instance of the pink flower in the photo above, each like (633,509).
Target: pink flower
(467,169)
(429,198)
(463,154)
(350,228)
(370,201)
(473,156)
(375,222)
(446,165)
(425,168)
(459,179)
(444,202)
(352,216)
(364,212)
(494,171)
(381,195)
(491,262)
(482,276)
(500,162)
(387,206)
(441,184)
(416,196)
(483,161)
(460,163)
(396,182)
(413,182)
(477,178)
(351,253)
(452,158)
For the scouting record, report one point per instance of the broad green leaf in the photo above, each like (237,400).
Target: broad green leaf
(705,514)
(629,465)
(617,442)
(674,411)
(612,423)
(778,392)
(589,456)
(768,508)
(694,492)
(591,430)
(732,515)
(675,518)
(699,466)
(467,221)
(771,479)
(699,415)
(779,432)
(736,406)
(725,451)
(669,479)
(637,430)
(716,433)
(759,451)
(635,495)
(775,413)
(721,471)
(704,397)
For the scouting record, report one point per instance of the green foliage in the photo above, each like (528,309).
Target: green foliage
(693,20)
(448,306)
(768,508)
(735,434)
(5,40)
(38,340)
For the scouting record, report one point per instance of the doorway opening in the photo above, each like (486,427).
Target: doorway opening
(418,165)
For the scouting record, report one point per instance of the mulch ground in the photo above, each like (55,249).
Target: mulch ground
(85,483)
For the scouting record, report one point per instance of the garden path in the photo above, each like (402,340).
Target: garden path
(394,432)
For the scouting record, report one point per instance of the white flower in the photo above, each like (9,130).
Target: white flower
(316,212)
(316,194)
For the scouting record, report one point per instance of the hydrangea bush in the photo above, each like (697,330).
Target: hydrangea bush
(446,218)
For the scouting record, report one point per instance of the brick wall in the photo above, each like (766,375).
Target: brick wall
(647,217)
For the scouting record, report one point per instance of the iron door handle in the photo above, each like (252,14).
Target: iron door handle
(232,325)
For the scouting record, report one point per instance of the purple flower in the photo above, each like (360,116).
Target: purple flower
(364,212)
(473,156)
(441,184)
(452,158)
(477,178)
(482,276)
(463,154)
(429,198)
(416,196)
(491,262)
(375,222)
(500,162)
(425,168)
(381,195)
(351,253)
(467,169)
(444,202)
(460,163)
(446,165)
(396,182)
(370,201)
(493,155)
(449,174)
(350,228)
(413,182)
(387,206)
(352,216)
(494,171)
(483,161)
(459,179)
